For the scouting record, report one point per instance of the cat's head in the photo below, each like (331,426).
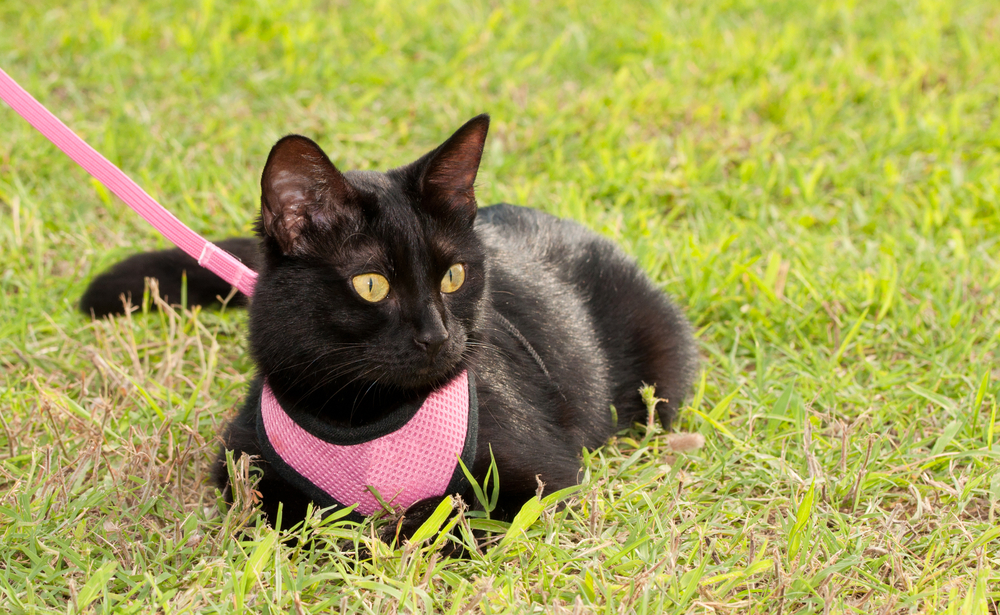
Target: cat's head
(370,280)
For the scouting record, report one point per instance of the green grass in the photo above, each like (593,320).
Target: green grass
(815,182)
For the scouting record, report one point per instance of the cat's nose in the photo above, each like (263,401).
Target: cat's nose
(430,333)
(431,340)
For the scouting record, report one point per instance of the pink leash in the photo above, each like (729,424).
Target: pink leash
(209,256)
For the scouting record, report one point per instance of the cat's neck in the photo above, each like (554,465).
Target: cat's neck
(342,404)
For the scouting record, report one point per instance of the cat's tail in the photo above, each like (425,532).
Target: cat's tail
(128,278)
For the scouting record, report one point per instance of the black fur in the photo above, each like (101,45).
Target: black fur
(556,323)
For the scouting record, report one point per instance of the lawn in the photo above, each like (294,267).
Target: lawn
(816,183)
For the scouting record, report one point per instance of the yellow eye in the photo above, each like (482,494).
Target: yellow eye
(371,286)
(453,279)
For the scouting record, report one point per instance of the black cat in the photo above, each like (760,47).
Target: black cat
(377,289)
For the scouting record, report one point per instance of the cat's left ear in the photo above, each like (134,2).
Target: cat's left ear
(449,177)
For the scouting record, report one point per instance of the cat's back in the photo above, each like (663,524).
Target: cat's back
(569,288)
(562,255)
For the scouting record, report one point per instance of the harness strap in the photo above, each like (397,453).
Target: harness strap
(209,256)
(531,350)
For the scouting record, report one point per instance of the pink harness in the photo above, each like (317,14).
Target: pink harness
(403,464)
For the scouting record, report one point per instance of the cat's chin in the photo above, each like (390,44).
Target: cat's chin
(422,378)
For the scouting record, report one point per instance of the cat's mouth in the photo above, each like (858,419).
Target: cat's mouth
(426,371)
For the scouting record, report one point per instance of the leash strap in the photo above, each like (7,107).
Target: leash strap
(208,255)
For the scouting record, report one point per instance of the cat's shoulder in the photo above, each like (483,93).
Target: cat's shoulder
(505,225)
(525,234)
(518,218)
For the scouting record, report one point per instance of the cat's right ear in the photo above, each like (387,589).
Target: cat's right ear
(449,172)
(300,188)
